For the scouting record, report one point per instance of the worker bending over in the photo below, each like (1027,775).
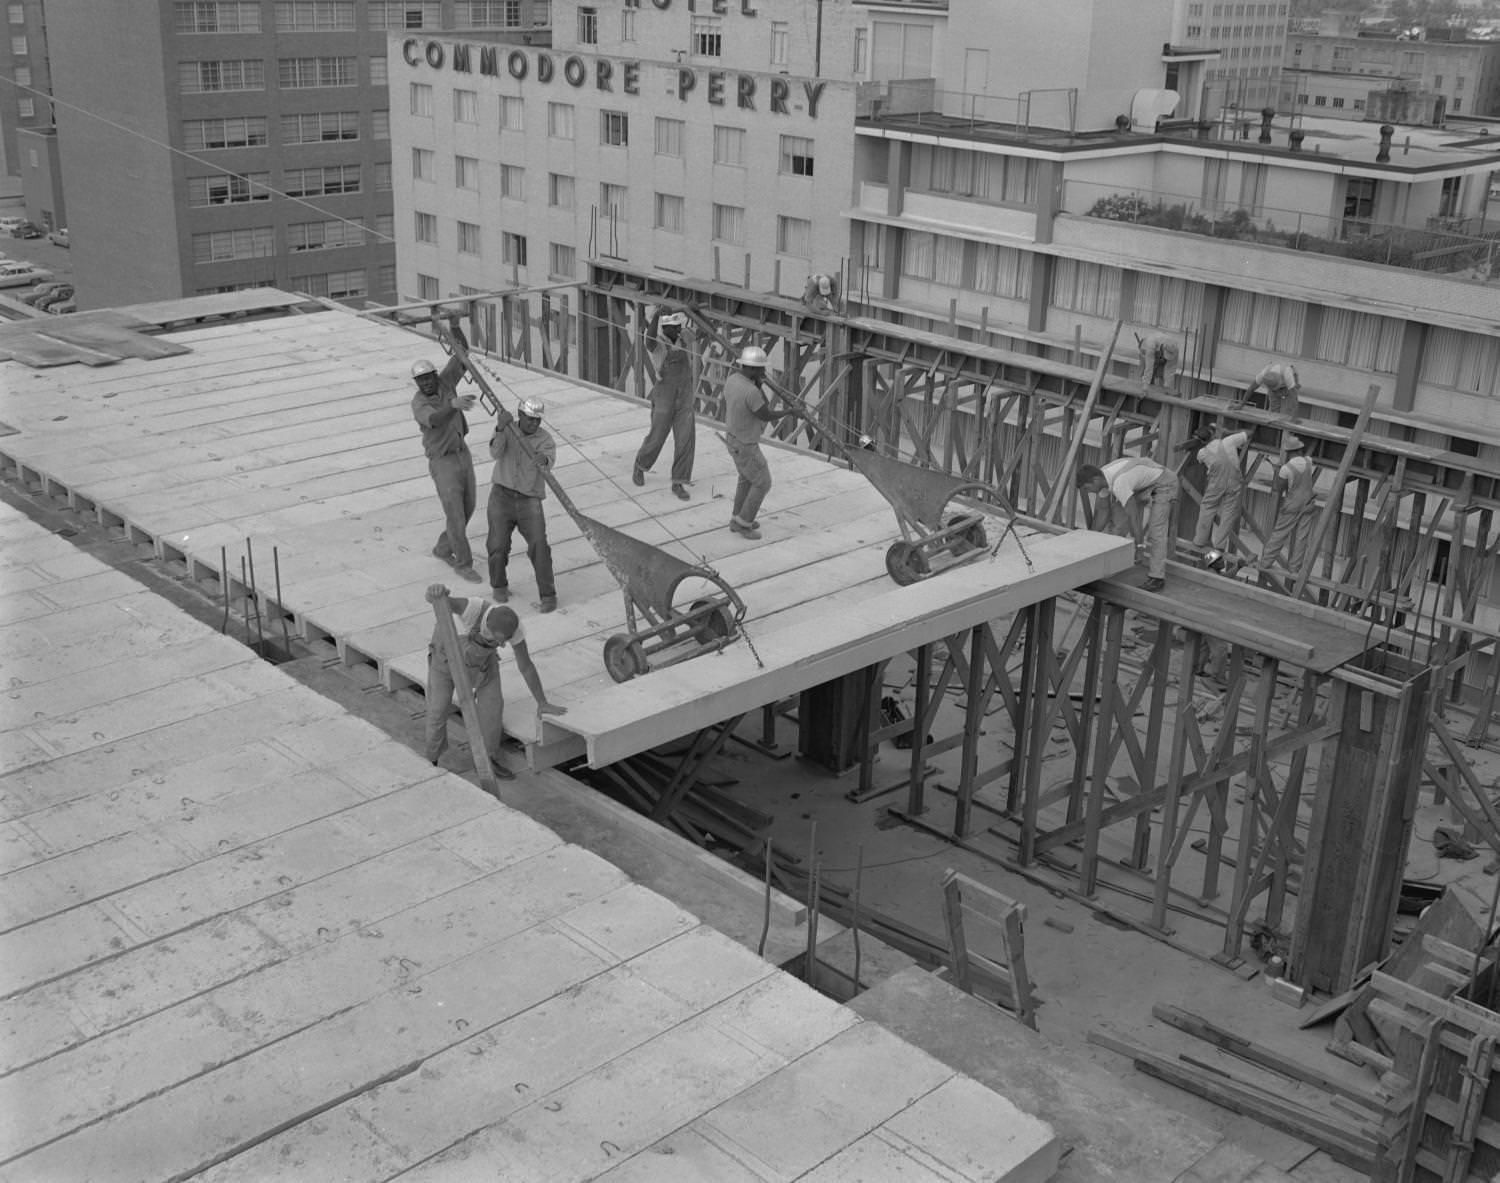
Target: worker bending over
(483,627)
(1135,484)
(1221,492)
(517,487)
(1279,381)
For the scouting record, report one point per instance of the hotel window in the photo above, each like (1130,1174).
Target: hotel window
(614,128)
(669,136)
(229,189)
(513,248)
(781,38)
(26,108)
(322,236)
(612,200)
(1091,288)
(493,14)
(221,245)
(310,73)
(314,16)
(729,145)
(386,277)
(902,51)
(512,113)
(422,164)
(729,224)
(333,285)
(560,121)
(1320,100)
(379,74)
(466,172)
(1461,361)
(205,135)
(627,24)
(1263,322)
(465,106)
(320,127)
(206,77)
(708,37)
(919,255)
(382,176)
(18,13)
(316,182)
(796,156)
(427,287)
(1338,101)
(1359,340)
(211,16)
(421,99)
(406,14)
(513,182)
(385,227)
(794,237)
(559,191)
(669,213)
(425,227)
(380,125)
(1167,303)
(1194,32)
(588,26)
(468,238)
(23,75)
(561,261)
(1002,271)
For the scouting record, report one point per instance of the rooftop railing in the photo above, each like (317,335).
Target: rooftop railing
(1437,246)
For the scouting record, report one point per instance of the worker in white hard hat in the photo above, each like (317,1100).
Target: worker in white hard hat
(1280,382)
(670,341)
(439,411)
(746,413)
(518,486)
(1296,481)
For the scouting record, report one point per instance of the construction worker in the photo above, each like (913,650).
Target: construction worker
(439,410)
(1221,492)
(483,627)
(1135,483)
(1159,357)
(1296,481)
(518,486)
(1279,381)
(821,293)
(746,413)
(670,342)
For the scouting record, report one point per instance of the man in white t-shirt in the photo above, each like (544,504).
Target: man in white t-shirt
(483,627)
(1297,482)
(1135,483)
(1221,492)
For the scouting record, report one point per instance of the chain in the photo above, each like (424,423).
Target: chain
(754,652)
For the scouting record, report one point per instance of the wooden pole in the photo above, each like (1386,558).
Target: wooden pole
(464,690)
(1064,480)
(1336,494)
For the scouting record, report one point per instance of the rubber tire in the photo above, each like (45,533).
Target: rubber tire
(905,564)
(624,658)
(714,626)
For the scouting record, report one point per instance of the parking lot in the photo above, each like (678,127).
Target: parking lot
(40,251)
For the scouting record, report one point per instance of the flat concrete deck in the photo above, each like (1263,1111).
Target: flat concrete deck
(284,451)
(244,935)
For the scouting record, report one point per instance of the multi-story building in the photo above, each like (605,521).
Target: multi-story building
(1339,69)
(23,60)
(209,145)
(1250,39)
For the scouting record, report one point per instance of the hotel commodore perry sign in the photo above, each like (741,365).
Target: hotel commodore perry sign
(605,73)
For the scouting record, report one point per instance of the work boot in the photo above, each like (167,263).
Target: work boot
(500,594)
(681,491)
(638,475)
(439,553)
(467,573)
(1154,585)
(744,529)
(500,770)
(548,604)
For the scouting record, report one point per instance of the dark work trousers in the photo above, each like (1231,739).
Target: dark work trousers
(510,511)
(453,475)
(671,411)
(754,482)
(484,677)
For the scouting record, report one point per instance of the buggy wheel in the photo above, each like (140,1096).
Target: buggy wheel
(972,537)
(714,625)
(624,658)
(905,563)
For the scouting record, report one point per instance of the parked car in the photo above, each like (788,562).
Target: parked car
(65,292)
(60,237)
(58,288)
(64,307)
(10,221)
(21,275)
(27,230)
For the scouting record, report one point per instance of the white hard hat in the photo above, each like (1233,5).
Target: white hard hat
(753,355)
(673,318)
(1294,443)
(418,368)
(533,408)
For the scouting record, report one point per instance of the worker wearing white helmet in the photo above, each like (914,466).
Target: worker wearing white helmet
(439,410)
(671,344)
(518,486)
(746,413)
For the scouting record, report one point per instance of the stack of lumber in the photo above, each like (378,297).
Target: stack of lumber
(1342,1120)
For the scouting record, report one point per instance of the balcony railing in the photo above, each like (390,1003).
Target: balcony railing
(918,100)
(1435,247)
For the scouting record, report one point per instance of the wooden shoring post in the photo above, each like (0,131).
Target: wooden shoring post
(1334,500)
(705,746)
(1254,811)
(1291,800)
(867,727)
(1031,736)
(1064,473)
(958,947)
(463,690)
(1109,697)
(1187,672)
(974,700)
(1216,795)
(1161,666)
(1093,637)
(915,805)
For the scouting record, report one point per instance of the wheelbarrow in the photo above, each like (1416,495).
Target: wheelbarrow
(662,629)
(649,577)
(921,498)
